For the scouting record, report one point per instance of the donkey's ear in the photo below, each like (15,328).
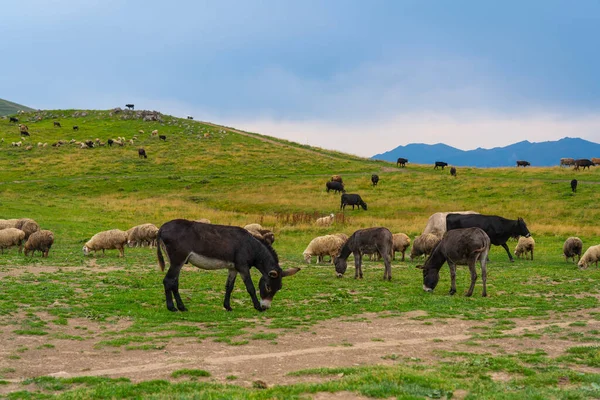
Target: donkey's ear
(289,272)
(419,266)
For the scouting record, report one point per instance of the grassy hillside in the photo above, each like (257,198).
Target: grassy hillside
(230,177)
(8,108)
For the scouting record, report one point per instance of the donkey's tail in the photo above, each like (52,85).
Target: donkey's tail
(161,260)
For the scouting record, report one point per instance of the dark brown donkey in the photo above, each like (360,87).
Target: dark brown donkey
(212,247)
(462,247)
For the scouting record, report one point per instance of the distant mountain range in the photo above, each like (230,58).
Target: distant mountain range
(9,108)
(543,154)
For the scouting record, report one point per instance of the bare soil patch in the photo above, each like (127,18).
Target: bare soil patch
(374,339)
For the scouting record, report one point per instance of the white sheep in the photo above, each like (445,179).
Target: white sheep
(401,243)
(28,226)
(525,245)
(424,245)
(262,234)
(572,248)
(8,223)
(325,221)
(142,234)
(253,227)
(107,240)
(591,255)
(155,132)
(328,245)
(40,241)
(10,237)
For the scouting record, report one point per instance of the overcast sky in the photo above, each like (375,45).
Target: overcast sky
(357,76)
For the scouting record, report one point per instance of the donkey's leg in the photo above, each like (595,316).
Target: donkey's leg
(358,265)
(452,268)
(171,282)
(245,274)
(229,288)
(473,276)
(387,274)
(482,262)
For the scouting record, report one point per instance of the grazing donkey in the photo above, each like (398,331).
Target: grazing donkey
(366,241)
(462,247)
(209,246)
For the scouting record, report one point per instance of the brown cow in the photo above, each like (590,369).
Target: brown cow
(583,162)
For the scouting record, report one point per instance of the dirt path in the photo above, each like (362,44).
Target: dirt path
(335,343)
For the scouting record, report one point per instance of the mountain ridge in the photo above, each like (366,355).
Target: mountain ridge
(543,154)
(9,107)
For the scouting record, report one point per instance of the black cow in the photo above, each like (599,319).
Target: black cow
(583,162)
(497,228)
(462,247)
(366,241)
(89,143)
(522,163)
(190,117)
(110,142)
(142,153)
(440,164)
(453,172)
(335,186)
(129,106)
(56,123)
(374,179)
(13,119)
(401,162)
(75,127)
(574,185)
(210,247)
(352,200)
(162,137)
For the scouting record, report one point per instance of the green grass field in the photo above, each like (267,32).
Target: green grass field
(205,171)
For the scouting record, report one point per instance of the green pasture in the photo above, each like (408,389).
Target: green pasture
(205,171)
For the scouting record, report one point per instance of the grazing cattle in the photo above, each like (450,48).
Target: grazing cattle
(596,161)
(212,247)
(497,228)
(162,137)
(142,153)
(190,117)
(75,127)
(129,106)
(13,119)
(366,241)
(567,161)
(583,162)
(335,186)
(374,179)
(522,163)
(56,123)
(110,142)
(458,247)
(352,200)
(401,162)
(574,185)
(453,172)
(440,164)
